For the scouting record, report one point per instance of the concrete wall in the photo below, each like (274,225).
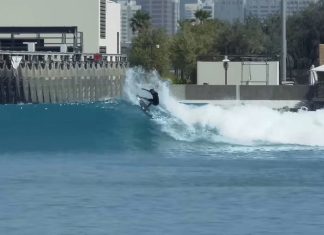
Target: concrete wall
(61,82)
(81,13)
(284,97)
(194,92)
(256,92)
(238,73)
(179,91)
(296,92)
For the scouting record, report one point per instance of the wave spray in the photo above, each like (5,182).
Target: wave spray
(239,124)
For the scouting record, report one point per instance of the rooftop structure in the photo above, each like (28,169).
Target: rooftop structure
(98,20)
(69,39)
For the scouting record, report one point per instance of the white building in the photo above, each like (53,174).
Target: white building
(238,73)
(99,20)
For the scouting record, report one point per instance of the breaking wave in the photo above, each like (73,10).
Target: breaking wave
(239,124)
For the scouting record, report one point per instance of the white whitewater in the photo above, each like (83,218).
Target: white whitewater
(243,125)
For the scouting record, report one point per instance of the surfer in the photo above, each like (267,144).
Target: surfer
(154,100)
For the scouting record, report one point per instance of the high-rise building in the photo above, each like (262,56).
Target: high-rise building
(230,10)
(163,13)
(262,9)
(128,9)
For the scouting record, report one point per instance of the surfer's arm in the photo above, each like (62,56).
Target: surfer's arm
(145,89)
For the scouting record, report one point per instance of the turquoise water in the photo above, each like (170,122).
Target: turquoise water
(106,168)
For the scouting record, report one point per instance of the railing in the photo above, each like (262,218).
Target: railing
(54,57)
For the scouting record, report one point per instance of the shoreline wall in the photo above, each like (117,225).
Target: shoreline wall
(243,92)
(63,82)
(291,96)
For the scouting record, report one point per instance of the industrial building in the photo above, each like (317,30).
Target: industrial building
(97,23)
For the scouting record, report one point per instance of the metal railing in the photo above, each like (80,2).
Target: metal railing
(59,57)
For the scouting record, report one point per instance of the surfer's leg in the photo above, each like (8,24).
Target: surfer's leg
(144,98)
(148,105)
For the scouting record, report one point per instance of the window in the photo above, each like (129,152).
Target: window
(102,50)
(117,42)
(102,19)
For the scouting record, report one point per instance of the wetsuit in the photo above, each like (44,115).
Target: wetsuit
(155,98)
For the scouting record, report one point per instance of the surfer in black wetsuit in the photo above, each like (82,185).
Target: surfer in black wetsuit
(154,100)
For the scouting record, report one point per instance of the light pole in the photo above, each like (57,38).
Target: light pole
(225,65)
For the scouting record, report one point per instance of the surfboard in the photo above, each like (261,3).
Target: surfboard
(143,105)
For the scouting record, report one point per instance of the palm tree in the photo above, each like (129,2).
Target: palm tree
(140,21)
(202,15)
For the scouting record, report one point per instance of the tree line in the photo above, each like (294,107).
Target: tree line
(176,56)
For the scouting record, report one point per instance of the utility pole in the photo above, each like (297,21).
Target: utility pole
(284,41)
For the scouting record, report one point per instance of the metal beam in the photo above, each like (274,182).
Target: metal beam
(47,30)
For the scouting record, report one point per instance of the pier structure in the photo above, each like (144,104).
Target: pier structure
(48,77)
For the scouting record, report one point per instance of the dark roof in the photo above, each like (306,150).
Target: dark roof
(49,29)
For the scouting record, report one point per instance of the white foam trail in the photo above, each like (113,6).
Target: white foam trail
(241,124)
